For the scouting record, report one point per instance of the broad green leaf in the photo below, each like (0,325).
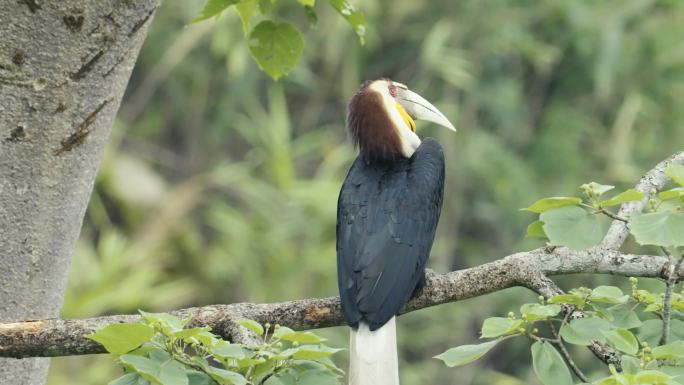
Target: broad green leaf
(536,229)
(608,294)
(625,196)
(159,355)
(630,364)
(199,378)
(582,331)
(247,9)
(623,340)
(353,17)
(674,193)
(599,189)
(288,334)
(168,322)
(572,226)
(252,325)
(623,317)
(651,377)
(266,6)
(307,3)
(671,350)
(223,376)
(192,332)
(317,377)
(126,379)
(309,352)
(213,8)
(276,47)
(226,350)
(122,338)
(549,365)
(499,326)
(547,204)
(676,172)
(568,298)
(535,311)
(173,373)
(662,228)
(145,367)
(465,354)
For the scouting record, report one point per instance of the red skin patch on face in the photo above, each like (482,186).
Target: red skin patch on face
(393,90)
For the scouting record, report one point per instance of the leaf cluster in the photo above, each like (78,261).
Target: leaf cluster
(575,222)
(162,350)
(276,45)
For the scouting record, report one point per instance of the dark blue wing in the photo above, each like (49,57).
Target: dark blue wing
(386,220)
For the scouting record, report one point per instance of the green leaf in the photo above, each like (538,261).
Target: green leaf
(625,196)
(676,172)
(288,334)
(276,47)
(623,340)
(247,9)
(499,326)
(173,373)
(651,330)
(353,17)
(536,229)
(582,331)
(213,8)
(126,379)
(145,367)
(192,332)
(630,364)
(317,377)
(599,189)
(651,377)
(547,204)
(662,228)
(266,6)
(309,352)
(623,317)
(225,376)
(671,350)
(252,325)
(572,226)
(465,354)
(549,365)
(674,193)
(122,338)
(608,294)
(199,378)
(168,322)
(226,350)
(534,311)
(307,3)
(569,298)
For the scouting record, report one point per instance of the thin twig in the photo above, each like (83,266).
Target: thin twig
(613,216)
(672,276)
(564,352)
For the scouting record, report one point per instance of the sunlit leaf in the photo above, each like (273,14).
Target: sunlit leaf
(276,47)
(672,350)
(625,196)
(623,340)
(499,326)
(651,377)
(253,326)
(676,172)
(247,9)
(535,229)
(551,203)
(662,228)
(307,3)
(677,192)
(465,354)
(122,338)
(535,311)
(582,331)
(568,298)
(549,365)
(213,8)
(353,17)
(573,227)
(597,188)
(608,294)
(145,367)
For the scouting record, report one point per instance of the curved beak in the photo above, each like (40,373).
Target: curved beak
(419,108)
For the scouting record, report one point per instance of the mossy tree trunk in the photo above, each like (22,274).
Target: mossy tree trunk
(64,66)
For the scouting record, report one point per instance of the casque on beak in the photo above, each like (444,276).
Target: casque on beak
(419,108)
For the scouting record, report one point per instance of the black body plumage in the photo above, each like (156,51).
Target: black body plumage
(387,214)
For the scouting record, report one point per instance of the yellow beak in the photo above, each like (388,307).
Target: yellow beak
(407,118)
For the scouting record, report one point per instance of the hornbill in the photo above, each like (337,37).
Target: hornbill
(387,213)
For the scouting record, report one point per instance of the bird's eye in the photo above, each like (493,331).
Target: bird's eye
(392,90)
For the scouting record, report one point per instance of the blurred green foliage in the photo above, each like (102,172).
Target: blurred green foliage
(220,185)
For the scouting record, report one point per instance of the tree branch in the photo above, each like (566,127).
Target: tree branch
(56,337)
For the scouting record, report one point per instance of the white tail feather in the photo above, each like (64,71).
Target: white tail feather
(373,355)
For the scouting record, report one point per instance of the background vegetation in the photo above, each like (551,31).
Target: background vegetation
(220,185)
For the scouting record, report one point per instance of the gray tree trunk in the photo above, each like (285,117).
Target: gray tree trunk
(64,65)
